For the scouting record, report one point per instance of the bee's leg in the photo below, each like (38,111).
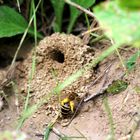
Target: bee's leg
(64,101)
(72,106)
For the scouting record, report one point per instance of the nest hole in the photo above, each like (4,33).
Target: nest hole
(58,56)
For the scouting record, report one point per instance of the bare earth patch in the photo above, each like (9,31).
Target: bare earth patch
(58,56)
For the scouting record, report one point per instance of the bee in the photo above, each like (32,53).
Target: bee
(69,104)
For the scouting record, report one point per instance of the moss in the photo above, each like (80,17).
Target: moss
(117,87)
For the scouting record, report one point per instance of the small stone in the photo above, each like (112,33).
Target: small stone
(38,112)
(31,123)
(8,118)
(34,116)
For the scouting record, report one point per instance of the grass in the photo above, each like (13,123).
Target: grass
(33,67)
(110,119)
(33,108)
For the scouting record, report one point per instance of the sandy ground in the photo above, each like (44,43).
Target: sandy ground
(92,122)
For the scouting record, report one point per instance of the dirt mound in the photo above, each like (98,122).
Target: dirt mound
(57,57)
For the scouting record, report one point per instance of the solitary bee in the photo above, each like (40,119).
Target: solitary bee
(69,104)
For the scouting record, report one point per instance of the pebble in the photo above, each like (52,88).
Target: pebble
(8,118)
(34,116)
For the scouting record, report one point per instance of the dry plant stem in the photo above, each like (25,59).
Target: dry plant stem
(121,60)
(104,87)
(100,76)
(18,6)
(99,92)
(136,125)
(84,137)
(9,75)
(89,31)
(57,132)
(119,55)
(80,8)
(101,89)
(86,35)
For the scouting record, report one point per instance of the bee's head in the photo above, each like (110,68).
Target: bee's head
(72,96)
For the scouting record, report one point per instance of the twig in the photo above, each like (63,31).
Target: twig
(89,31)
(101,89)
(86,35)
(55,131)
(136,125)
(100,76)
(18,4)
(80,8)
(9,75)
(81,133)
(51,128)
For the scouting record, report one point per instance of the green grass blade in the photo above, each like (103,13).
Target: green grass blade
(87,21)
(110,118)
(58,6)
(35,26)
(26,114)
(47,132)
(27,111)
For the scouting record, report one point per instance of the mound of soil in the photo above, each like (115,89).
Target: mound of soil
(57,57)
